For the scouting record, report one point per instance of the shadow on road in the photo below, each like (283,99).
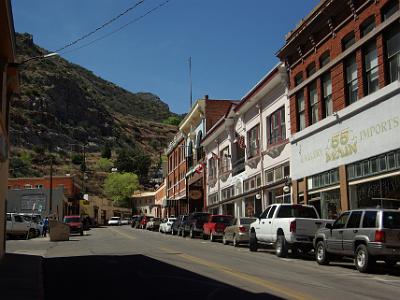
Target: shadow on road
(108,277)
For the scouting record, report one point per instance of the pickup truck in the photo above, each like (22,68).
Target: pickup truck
(194,224)
(286,226)
(18,226)
(215,226)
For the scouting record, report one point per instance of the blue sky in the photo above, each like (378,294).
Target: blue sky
(232,42)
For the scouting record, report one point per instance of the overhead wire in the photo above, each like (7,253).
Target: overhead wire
(119,28)
(100,27)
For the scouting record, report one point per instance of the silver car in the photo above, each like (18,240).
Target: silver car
(367,235)
(238,232)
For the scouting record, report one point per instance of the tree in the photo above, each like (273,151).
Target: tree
(173,120)
(141,163)
(120,187)
(106,151)
(124,161)
(77,159)
(104,164)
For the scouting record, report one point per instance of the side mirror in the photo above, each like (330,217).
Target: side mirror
(328,226)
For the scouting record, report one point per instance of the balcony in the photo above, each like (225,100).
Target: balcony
(238,166)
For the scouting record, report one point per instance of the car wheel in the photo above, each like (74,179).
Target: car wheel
(253,244)
(224,241)
(321,256)
(390,262)
(212,238)
(81,233)
(183,233)
(363,259)
(172,231)
(235,242)
(204,236)
(31,234)
(281,248)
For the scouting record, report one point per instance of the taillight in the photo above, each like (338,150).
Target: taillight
(293,226)
(243,229)
(379,236)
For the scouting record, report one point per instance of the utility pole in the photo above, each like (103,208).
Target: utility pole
(51,185)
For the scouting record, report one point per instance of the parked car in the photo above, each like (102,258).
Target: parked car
(166,225)
(125,221)
(16,225)
(136,221)
(286,226)
(367,235)
(238,232)
(75,224)
(144,220)
(215,226)
(177,226)
(116,221)
(194,224)
(35,220)
(153,224)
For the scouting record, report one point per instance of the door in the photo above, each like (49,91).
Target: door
(20,226)
(259,227)
(266,225)
(334,237)
(350,231)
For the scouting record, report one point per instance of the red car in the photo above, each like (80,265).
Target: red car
(215,226)
(75,224)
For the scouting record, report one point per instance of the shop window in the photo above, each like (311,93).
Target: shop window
(246,186)
(350,171)
(359,172)
(270,176)
(391,162)
(371,68)
(365,167)
(389,9)
(392,42)
(323,179)
(382,163)
(367,26)
(327,94)
(278,174)
(369,220)
(398,159)
(351,80)
(348,41)
(258,180)
(324,59)
(252,184)
(286,170)
(301,116)
(374,165)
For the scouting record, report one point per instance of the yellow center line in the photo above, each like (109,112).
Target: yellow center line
(277,288)
(122,233)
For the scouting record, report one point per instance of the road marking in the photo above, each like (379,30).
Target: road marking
(277,288)
(123,234)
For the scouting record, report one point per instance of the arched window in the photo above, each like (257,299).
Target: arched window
(190,154)
(199,148)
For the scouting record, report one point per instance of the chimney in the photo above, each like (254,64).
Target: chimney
(206,97)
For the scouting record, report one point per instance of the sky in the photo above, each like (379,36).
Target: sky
(232,42)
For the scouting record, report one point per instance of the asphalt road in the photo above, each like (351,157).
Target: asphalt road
(132,261)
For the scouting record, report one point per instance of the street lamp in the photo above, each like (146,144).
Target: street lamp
(19,64)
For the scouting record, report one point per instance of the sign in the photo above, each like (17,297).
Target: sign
(85,202)
(371,132)
(195,194)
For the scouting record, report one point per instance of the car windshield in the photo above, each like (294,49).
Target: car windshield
(171,220)
(247,221)
(221,219)
(391,219)
(115,218)
(297,211)
(71,220)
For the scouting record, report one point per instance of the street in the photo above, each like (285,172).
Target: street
(123,262)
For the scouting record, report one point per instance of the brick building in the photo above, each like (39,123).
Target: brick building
(8,88)
(69,184)
(160,200)
(343,60)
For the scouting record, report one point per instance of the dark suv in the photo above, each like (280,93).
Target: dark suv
(367,235)
(178,224)
(194,224)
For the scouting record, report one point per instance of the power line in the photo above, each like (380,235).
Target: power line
(102,26)
(119,28)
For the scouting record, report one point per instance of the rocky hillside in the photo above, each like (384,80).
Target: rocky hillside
(62,104)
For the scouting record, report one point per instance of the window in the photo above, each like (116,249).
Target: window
(271,212)
(301,117)
(39,186)
(296,211)
(253,141)
(391,219)
(367,26)
(392,42)
(369,220)
(313,102)
(224,160)
(371,68)
(228,193)
(265,213)
(212,169)
(354,221)
(18,219)
(327,94)
(324,59)
(298,79)
(351,80)
(276,126)
(311,69)
(348,41)
(341,222)
(9,217)
(252,183)
(389,9)
(323,179)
